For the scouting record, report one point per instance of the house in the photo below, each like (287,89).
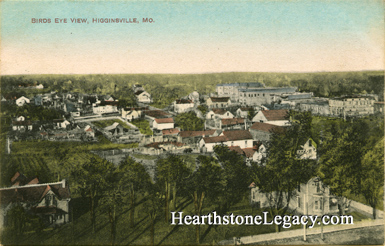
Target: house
(170,135)
(137,87)
(243,112)
(314,194)
(105,107)
(89,132)
(262,131)
(255,153)
(241,138)
(183,105)
(378,108)
(218,102)
(163,123)
(308,150)
(22,125)
(22,100)
(61,123)
(143,97)
(277,117)
(219,113)
(194,97)
(49,201)
(20,118)
(132,113)
(193,137)
(234,123)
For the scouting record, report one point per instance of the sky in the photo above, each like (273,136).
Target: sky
(192,36)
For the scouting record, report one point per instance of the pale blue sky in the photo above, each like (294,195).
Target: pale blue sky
(193,37)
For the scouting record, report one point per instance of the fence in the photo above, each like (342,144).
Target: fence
(298,233)
(366,208)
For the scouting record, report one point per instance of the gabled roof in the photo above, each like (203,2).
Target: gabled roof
(232,121)
(186,134)
(220,99)
(217,139)
(236,149)
(173,131)
(278,114)
(246,108)
(33,192)
(237,135)
(264,127)
(156,113)
(249,152)
(183,101)
(219,111)
(139,92)
(164,120)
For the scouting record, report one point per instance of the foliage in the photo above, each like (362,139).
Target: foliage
(236,177)
(372,175)
(170,174)
(143,125)
(203,108)
(189,122)
(283,172)
(92,179)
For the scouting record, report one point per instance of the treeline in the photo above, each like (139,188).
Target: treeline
(171,86)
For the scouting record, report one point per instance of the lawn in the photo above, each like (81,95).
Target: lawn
(105,123)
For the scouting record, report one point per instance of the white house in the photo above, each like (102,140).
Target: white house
(308,150)
(183,105)
(143,97)
(218,102)
(21,125)
(243,112)
(275,117)
(163,123)
(21,101)
(219,113)
(132,113)
(61,123)
(107,108)
(20,118)
(241,138)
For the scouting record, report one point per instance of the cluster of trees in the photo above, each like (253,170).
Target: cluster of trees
(189,122)
(352,160)
(165,88)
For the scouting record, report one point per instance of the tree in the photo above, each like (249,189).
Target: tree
(189,121)
(112,199)
(236,177)
(279,177)
(372,175)
(153,206)
(91,181)
(340,165)
(133,178)
(170,173)
(251,113)
(205,183)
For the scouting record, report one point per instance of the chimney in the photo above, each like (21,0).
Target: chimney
(63,183)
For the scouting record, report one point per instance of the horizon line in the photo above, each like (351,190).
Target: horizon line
(291,72)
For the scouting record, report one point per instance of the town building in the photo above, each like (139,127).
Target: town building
(232,90)
(21,101)
(219,113)
(163,123)
(143,97)
(308,150)
(351,106)
(277,117)
(263,131)
(260,96)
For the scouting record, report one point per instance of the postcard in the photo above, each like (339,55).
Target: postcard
(192,122)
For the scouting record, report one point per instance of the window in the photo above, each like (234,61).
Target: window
(299,188)
(245,143)
(299,201)
(263,94)
(316,205)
